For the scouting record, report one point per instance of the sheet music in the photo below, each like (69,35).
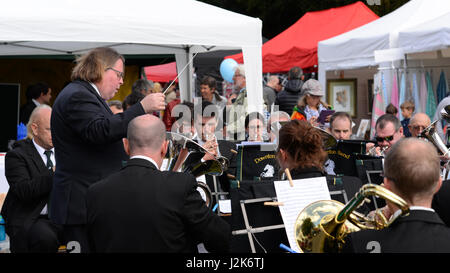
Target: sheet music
(295,199)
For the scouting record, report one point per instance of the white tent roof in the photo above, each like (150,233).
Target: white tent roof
(429,36)
(356,48)
(181,27)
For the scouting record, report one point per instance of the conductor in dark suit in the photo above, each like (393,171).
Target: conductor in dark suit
(411,171)
(29,172)
(88,136)
(142,209)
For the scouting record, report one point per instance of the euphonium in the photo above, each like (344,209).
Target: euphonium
(186,155)
(432,136)
(323,225)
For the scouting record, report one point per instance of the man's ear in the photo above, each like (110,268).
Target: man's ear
(34,128)
(126,145)
(438,185)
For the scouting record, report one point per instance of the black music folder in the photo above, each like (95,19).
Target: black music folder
(256,161)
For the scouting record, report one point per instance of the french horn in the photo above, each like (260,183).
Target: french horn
(323,225)
(185,155)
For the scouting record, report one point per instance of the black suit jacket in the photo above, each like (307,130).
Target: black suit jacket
(419,232)
(88,147)
(441,202)
(25,111)
(141,209)
(30,183)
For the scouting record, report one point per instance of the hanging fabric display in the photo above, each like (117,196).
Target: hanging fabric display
(431,99)
(378,102)
(415,92)
(394,91)
(441,89)
(423,93)
(402,94)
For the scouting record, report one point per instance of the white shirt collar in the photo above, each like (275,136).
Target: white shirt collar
(41,151)
(146,158)
(36,102)
(398,212)
(96,89)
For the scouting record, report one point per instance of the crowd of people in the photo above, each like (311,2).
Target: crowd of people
(90,170)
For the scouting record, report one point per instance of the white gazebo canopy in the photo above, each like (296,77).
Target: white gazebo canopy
(356,48)
(180,27)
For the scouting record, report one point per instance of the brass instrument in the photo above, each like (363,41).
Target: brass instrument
(323,225)
(373,151)
(205,193)
(185,155)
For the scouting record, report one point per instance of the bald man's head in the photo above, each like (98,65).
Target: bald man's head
(418,123)
(145,133)
(413,165)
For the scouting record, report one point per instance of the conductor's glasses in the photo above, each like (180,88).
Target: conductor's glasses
(120,75)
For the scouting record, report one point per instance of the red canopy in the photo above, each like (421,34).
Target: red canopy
(161,73)
(297,45)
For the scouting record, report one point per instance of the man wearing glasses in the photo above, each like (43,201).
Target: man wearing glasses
(87,136)
(388,130)
(418,123)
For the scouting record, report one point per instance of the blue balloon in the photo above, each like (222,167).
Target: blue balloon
(227,68)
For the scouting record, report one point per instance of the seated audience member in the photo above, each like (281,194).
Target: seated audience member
(115,106)
(142,86)
(411,170)
(407,109)
(185,120)
(209,92)
(418,123)
(310,104)
(141,209)
(391,109)
(255,127)
(132,99)
(29,171)
(37,94)
(341,125)
(274,125)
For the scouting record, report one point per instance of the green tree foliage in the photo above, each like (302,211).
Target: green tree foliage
(277,15)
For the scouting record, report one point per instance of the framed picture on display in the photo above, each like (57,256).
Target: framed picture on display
(341,94)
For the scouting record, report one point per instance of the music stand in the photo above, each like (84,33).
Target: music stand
(216,193)
(250,230)
(368,173)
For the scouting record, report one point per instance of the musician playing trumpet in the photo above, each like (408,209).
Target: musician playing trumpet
(388,130)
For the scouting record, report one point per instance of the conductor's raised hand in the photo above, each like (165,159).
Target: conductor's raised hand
(153,102)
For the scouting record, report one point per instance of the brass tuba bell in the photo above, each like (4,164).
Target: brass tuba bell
(185,155)
(323,225)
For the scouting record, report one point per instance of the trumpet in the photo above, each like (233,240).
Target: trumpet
(373,151)
(323,225)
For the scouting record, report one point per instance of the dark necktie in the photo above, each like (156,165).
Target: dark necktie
(48,153)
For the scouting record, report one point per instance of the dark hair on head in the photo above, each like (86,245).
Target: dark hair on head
(340,115)
(132,99)
(295,73)
(252,116)
(303,143)
(34,91)
(207,109)
(391,109)
(141,84)
(186,106)
(212,84)
(385,119)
